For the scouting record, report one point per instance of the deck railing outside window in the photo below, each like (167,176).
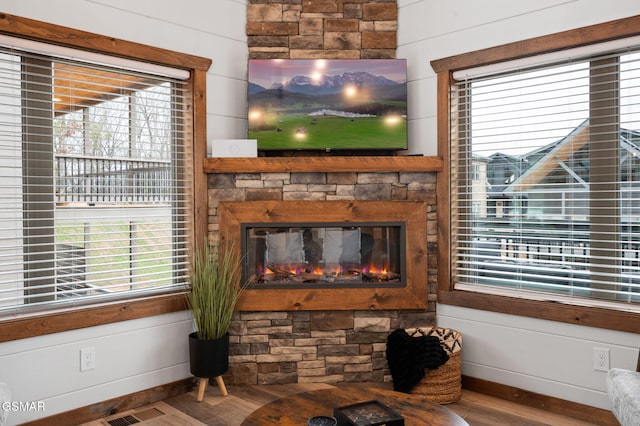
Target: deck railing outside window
(94,180)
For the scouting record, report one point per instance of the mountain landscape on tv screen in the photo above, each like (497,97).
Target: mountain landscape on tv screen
(347,104)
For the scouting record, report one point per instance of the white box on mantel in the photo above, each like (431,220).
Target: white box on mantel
(232,148)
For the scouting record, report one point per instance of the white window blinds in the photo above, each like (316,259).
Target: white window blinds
(92,162)
(545,179)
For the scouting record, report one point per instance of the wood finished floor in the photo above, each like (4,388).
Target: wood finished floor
(216,410)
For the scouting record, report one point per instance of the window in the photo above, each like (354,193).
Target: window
(96,158)
(565,182)
(556,216)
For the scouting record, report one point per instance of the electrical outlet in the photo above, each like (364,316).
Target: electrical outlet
(600,359)
(87,358)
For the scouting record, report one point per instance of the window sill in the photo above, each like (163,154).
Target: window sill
(592,316)
(39,324)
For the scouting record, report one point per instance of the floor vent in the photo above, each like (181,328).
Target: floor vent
(123,421)
(137,417)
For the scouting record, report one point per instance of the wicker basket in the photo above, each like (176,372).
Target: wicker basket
(442,385)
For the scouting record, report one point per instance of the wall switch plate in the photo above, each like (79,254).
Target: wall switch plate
(87,358)
(601,359)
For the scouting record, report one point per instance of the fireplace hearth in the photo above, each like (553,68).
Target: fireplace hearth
(329,255)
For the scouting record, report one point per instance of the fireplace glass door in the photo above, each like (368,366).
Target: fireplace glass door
(324,255)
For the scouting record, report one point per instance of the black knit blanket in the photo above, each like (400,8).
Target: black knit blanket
(408,357)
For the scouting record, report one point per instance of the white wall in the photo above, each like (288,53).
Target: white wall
(140,354)
(541,356)
(130,356)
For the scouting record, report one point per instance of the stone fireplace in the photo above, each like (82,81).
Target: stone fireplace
(316,334)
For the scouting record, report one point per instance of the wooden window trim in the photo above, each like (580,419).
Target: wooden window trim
(24,325)
(602,317)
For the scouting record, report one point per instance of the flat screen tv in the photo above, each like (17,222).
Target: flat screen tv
(328,104)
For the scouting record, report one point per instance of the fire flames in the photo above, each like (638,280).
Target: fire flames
(292,274)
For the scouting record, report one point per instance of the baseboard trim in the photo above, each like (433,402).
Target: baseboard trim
(117,405)
(544,402)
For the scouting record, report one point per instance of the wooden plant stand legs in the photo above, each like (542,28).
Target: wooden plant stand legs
(204,381)
(221,386)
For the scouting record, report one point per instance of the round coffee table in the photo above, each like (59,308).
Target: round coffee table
(297,409)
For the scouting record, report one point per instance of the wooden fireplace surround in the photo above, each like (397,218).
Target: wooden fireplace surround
(412,213)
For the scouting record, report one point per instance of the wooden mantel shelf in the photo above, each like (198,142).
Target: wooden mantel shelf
(324,164)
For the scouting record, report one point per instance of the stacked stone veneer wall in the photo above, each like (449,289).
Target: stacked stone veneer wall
(347,29)
(337,345)
(321,346)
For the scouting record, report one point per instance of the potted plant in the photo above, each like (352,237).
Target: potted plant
(215,289)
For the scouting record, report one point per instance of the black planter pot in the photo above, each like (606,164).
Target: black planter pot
(208,358)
